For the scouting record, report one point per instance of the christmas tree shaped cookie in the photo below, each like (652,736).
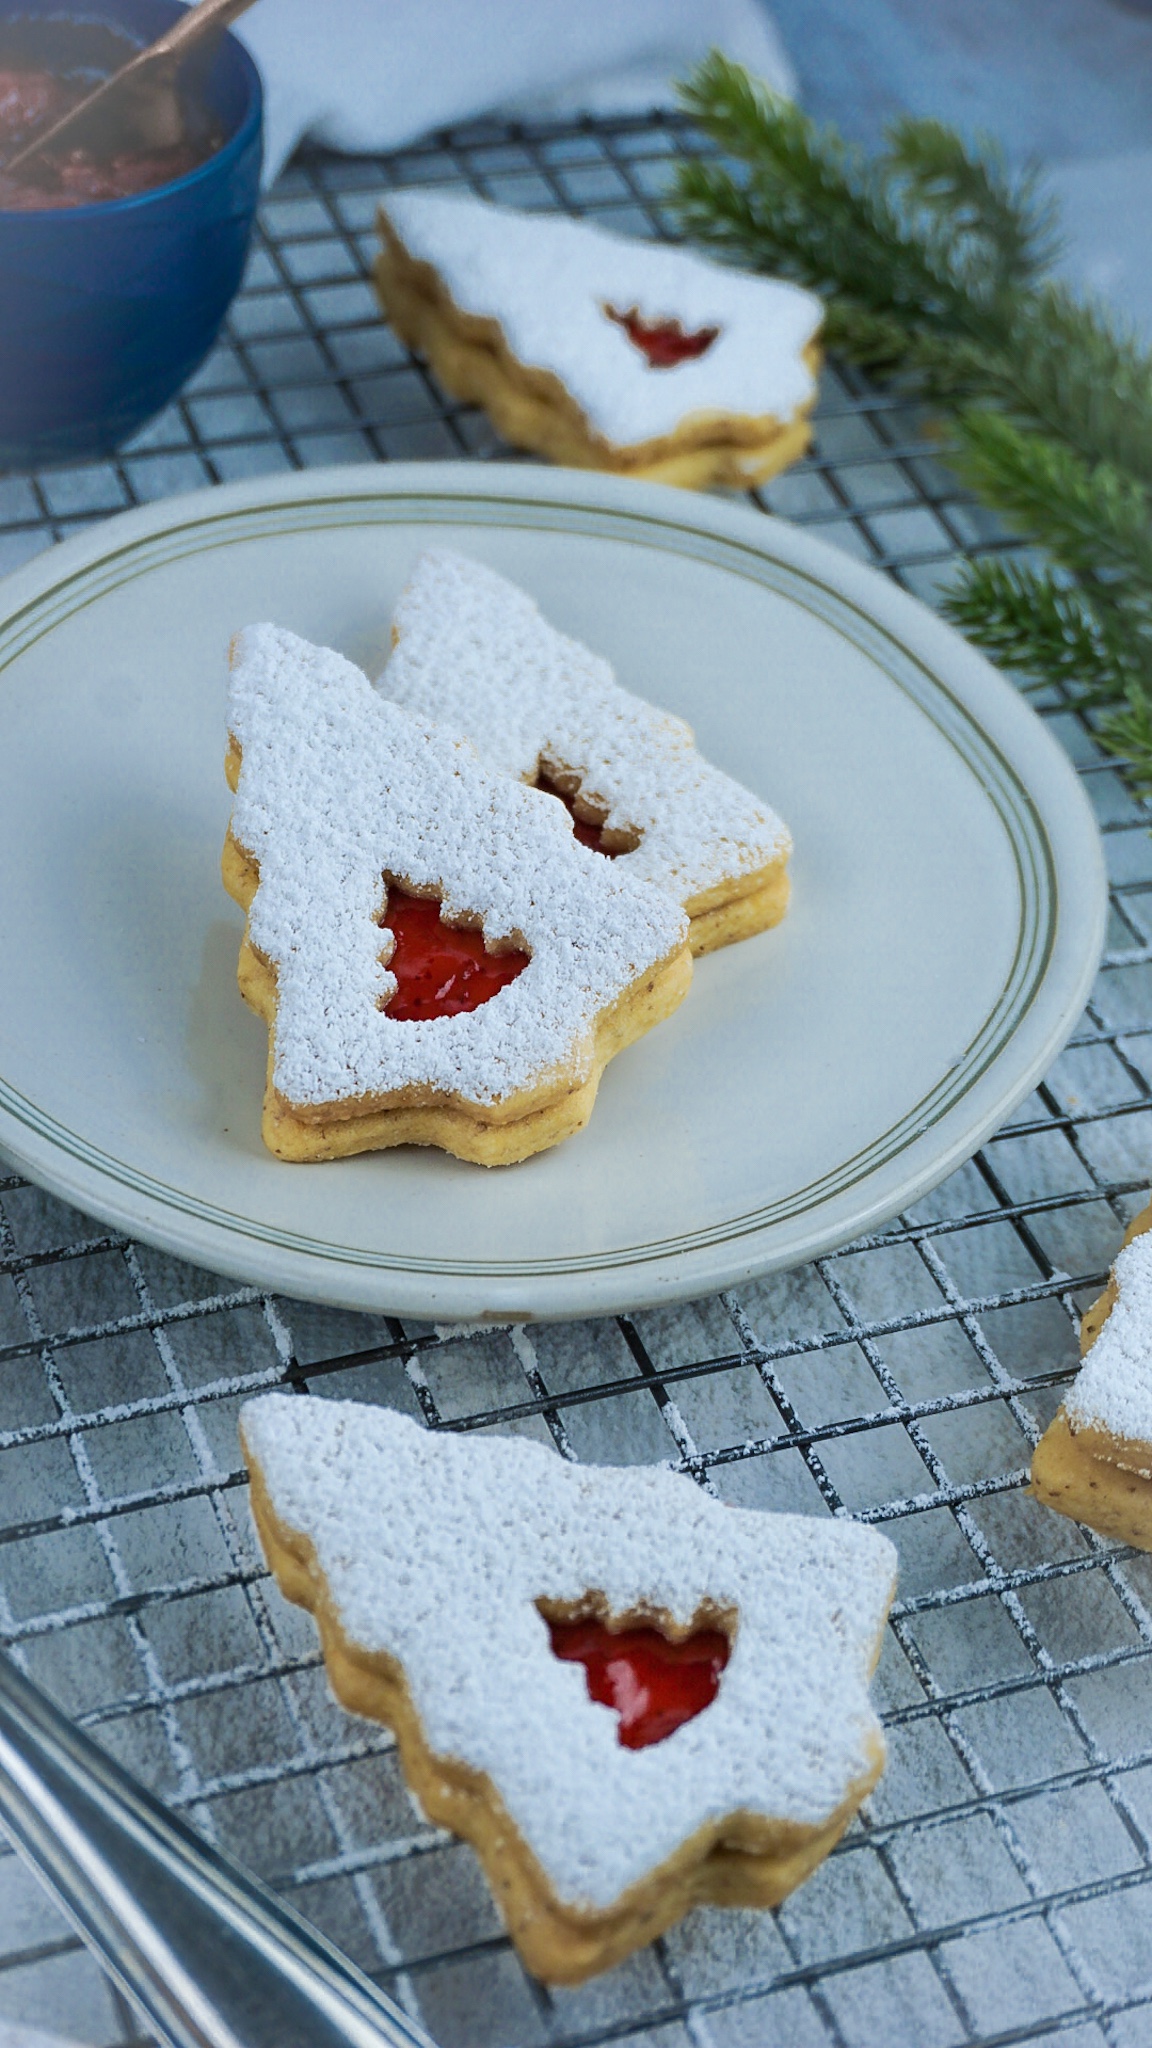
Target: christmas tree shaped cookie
(473,651)
(602,352)
(1094,1461)
(438,960)
(629,1698)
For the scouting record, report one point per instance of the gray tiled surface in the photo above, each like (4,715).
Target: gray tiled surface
(998,1887)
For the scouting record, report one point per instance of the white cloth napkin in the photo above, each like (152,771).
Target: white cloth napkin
(364,75)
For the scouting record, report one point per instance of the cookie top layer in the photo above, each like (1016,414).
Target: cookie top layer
(475,653)
(1113,1389)
(337,788)
(436,1550)
(547,281)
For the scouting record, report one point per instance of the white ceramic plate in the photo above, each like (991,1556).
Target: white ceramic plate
(946,920)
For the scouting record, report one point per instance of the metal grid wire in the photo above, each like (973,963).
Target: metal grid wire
(999,1887)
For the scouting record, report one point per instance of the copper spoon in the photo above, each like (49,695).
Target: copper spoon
(153,68)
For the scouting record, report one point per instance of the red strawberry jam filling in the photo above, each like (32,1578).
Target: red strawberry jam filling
(588,835)
(654,1685)
(33,100)
(442,969)
(664,342)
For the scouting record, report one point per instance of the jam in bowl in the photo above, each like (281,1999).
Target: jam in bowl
(47,66)
(121,248)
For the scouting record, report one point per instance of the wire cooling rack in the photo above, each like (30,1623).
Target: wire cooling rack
(999,1887)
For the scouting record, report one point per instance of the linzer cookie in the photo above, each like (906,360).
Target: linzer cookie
(602,352)
(1094,1461)
(473,652)
(628,1697)
(438,960)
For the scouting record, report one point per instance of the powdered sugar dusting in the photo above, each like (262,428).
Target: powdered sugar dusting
(547,280)
(475,653)
(436,1549)
(338,786)
(1113,1389)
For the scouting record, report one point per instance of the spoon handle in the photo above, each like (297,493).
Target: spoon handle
(212,1958)
(202,20)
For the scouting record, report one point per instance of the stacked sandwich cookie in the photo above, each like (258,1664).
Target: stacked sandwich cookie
(469,887)
(716,1742)
(601,352)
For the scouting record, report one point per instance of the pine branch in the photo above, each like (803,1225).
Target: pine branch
(1092,519)
(974,196)
(1074,375)
(930,236)
(813,206)
(930,258)
(1129,732)
(1032,623)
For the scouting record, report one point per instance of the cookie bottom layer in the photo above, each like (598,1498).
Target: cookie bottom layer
(744,1860)
(1102,1480)
(1092,1486)
(761,902)
(533,410)
(527,1122)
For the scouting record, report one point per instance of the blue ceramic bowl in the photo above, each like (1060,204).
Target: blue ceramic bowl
(106,309)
